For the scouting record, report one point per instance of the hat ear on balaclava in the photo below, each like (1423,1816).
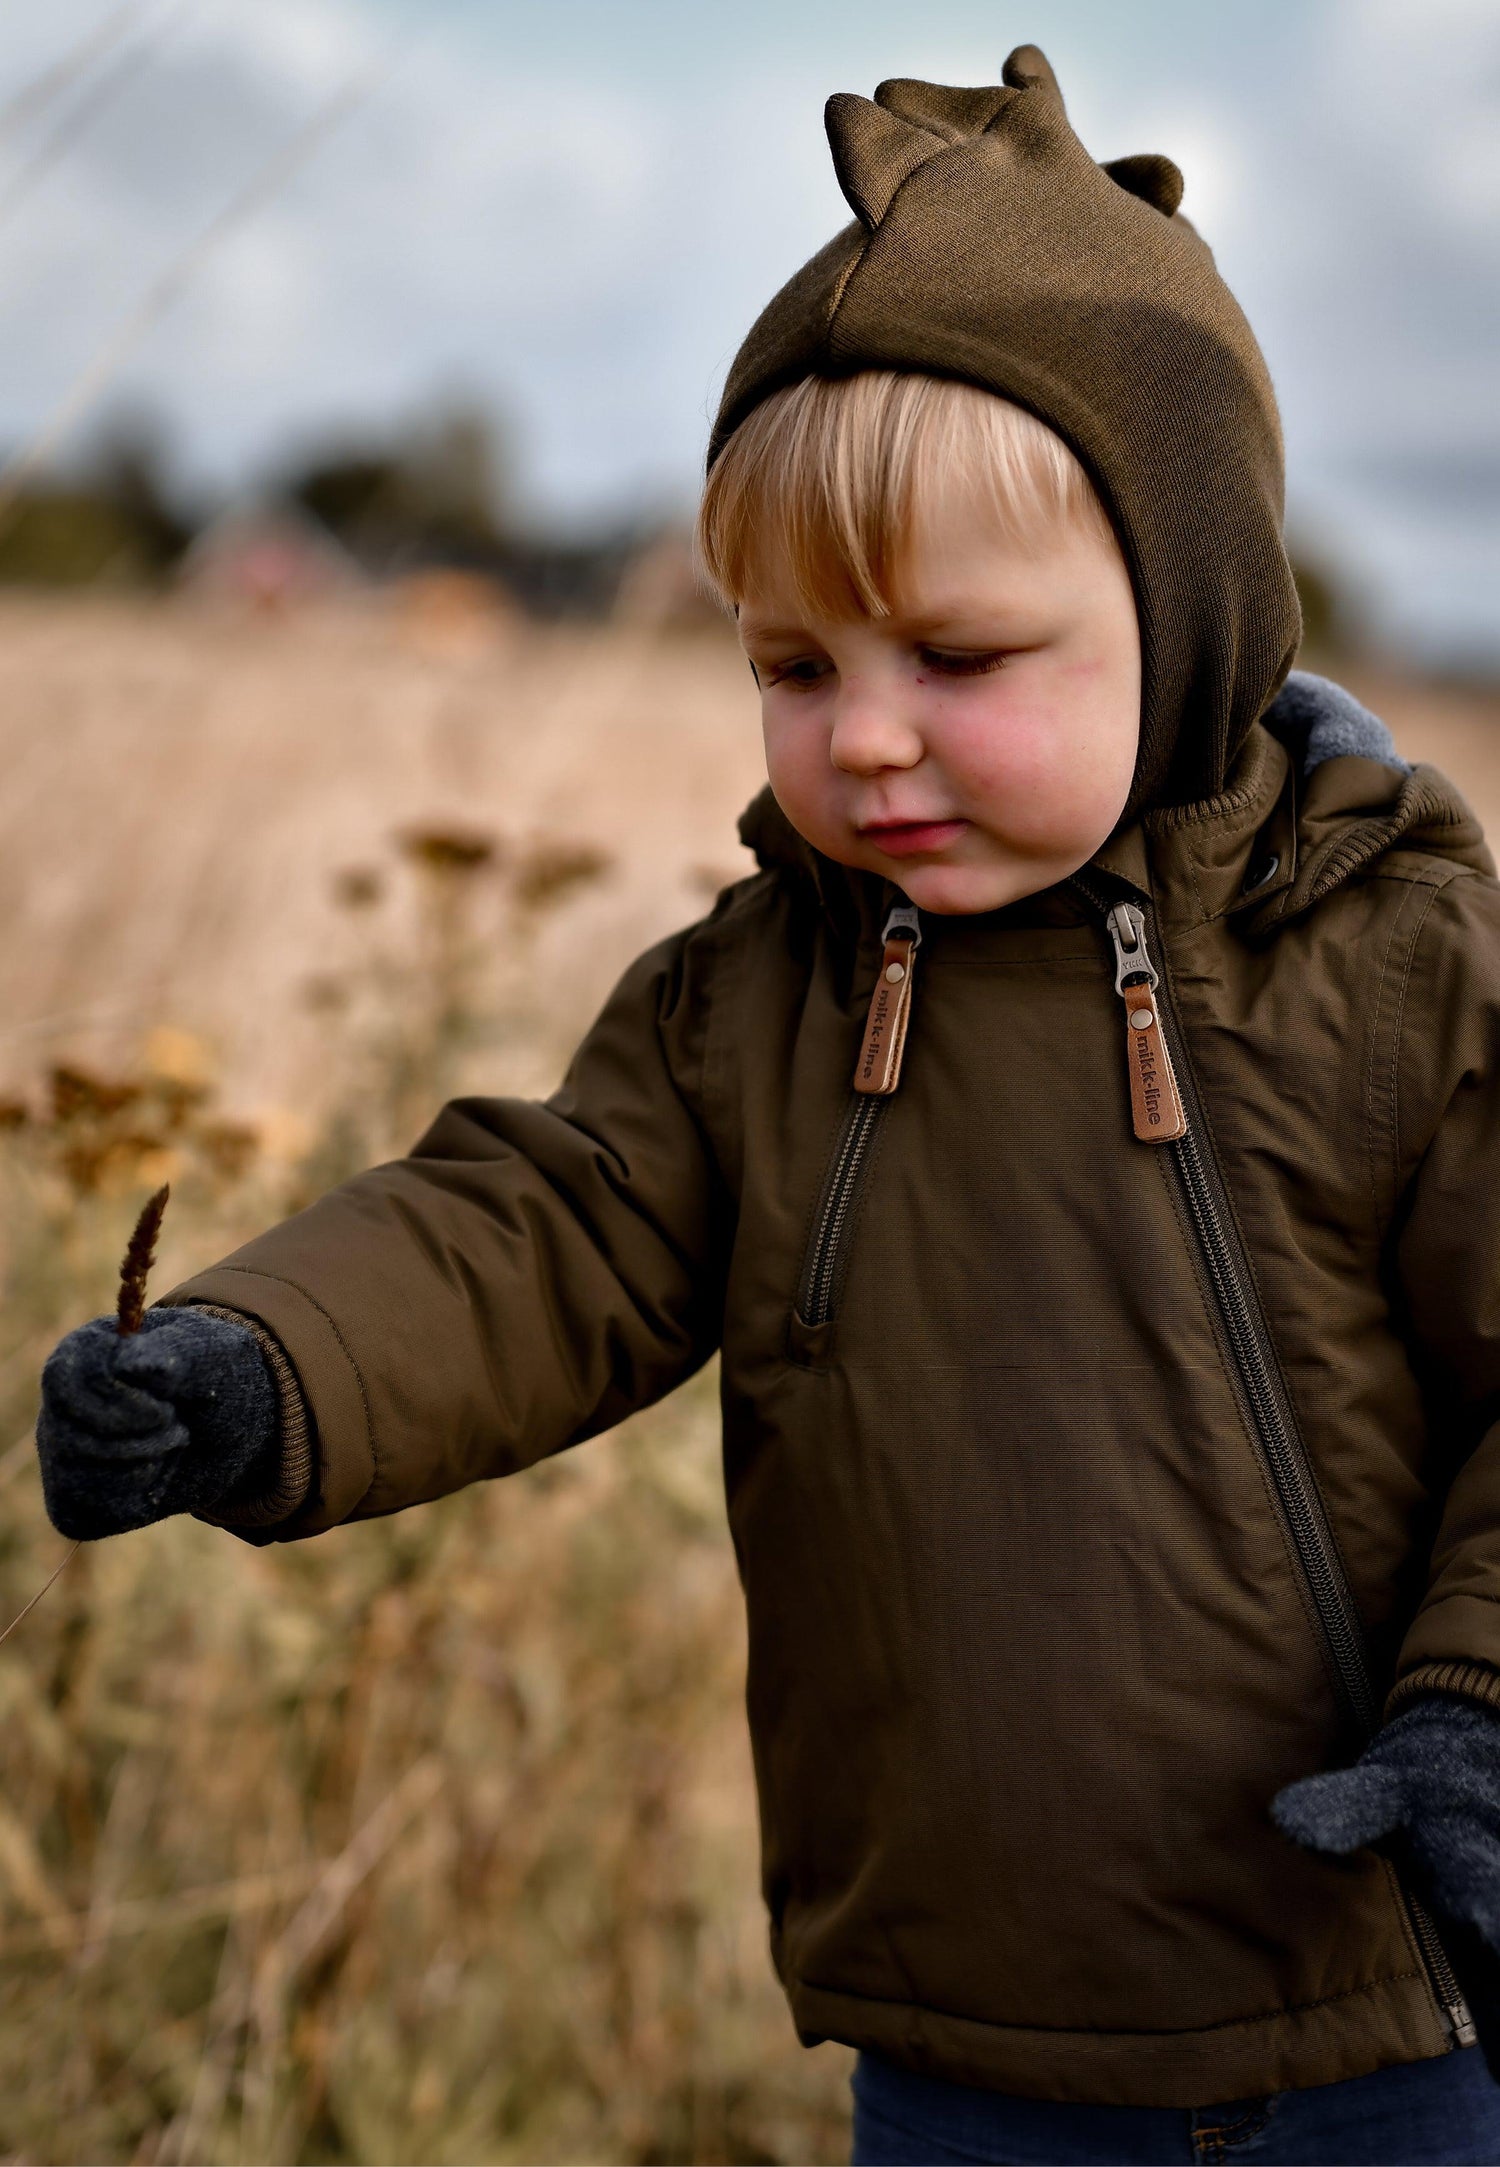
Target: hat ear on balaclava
(988,245)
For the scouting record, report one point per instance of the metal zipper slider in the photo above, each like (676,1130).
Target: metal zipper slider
(878,1069)
(1155,1105)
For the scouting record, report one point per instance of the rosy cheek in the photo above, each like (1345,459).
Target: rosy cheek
(800,772)
(1026,770)
(995,745)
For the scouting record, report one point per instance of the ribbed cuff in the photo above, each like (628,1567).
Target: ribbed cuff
(1470,1681)
(295,1435)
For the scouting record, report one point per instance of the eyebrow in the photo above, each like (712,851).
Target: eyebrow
(749,627)
(930,621)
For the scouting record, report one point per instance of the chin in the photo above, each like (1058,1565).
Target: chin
(959,891)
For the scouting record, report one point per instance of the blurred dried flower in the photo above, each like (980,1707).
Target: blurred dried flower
(323,994)
(548,869)
(449,851)
(358,887)
(78,1095)
(177,1098)
(230,1148)
(105,1162)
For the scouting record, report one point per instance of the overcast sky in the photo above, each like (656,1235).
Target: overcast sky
(571,210)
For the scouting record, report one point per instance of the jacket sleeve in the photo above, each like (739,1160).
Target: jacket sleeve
(1446,1128)
(529,1275)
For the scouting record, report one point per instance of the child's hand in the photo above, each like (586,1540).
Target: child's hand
(1433,1777)
(170,1419)
(1427,1788)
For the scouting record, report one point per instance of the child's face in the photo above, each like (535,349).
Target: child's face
(978,744)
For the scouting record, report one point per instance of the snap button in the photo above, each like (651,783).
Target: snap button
(1267,872)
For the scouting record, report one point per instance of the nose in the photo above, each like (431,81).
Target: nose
(870,730)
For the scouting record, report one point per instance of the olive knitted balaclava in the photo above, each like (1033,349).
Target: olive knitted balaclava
(989,246)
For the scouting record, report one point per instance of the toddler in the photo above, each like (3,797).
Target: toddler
(1081,1138)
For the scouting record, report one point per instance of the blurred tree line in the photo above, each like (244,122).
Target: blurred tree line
(431,494)
(112,520)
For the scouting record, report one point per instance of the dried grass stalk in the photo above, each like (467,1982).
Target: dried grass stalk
(135,1265)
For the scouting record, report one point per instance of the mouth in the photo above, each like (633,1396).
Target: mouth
(913,838)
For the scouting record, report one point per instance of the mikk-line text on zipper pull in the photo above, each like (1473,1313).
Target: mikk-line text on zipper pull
(877,1072)
(1155,1103)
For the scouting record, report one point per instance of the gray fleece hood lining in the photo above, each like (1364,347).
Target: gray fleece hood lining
(1318,720)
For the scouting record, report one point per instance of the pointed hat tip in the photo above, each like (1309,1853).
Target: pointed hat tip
(874,151)
(1028,68)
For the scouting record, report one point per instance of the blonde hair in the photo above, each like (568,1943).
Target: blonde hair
(835,475)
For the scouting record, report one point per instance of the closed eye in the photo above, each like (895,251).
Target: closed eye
(802,673)
(952,662)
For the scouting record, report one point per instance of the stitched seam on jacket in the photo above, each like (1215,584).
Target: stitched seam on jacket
(1204,913)
(1436,891)
(1372,1145)
(1247,1428)
(1100,2031)
(761,891)
(1398,1024)
(1371,1086)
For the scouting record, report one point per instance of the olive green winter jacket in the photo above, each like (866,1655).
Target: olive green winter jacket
(1107,1397)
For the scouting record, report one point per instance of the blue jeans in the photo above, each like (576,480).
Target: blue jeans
(1440,2112)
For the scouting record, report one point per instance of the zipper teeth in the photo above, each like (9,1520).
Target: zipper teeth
(1311,1538)
(1444,1978)
(1291,1473)
(854,1145)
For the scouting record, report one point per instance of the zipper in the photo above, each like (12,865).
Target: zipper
(851,1156)
(877,1075)
(1165,1110)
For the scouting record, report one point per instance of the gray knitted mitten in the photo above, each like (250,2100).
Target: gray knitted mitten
(178,1417)
(1426,1790)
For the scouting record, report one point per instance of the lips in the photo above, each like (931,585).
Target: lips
(913,838)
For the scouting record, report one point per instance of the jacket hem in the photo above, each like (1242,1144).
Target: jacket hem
(1349,2035)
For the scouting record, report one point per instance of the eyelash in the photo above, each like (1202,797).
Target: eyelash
(939,660)
(951,665)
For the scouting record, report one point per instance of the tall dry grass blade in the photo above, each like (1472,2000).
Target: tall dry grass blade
(135,1265)
(41,1591)
(321,1909)
(152,1914)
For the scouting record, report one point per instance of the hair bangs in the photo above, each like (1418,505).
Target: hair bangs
(831,480)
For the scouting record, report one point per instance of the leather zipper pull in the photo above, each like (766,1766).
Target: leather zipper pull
(877,1072)
(1155,1105)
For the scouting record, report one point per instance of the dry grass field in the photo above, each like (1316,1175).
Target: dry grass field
(432,1841)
